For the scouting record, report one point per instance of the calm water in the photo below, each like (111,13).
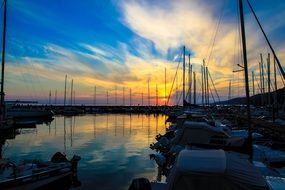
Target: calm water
(114,147)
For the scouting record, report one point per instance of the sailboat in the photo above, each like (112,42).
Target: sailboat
(4,125)
(12,112)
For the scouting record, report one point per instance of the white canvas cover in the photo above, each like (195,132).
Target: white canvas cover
(213,169)
(197,133)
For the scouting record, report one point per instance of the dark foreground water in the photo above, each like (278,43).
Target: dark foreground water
(114,147)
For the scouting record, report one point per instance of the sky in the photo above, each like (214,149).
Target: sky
(126,45)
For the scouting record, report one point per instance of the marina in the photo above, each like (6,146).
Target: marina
(114,99)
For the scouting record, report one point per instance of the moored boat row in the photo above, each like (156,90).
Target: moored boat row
(196,148)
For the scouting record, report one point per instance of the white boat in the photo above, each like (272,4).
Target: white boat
(199,133)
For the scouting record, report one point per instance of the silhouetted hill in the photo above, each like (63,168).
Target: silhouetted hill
(259,98)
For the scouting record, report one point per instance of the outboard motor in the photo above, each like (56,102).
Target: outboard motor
(58,157)
(74,161)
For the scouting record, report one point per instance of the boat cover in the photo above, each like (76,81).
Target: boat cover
(197,133)
(214,169)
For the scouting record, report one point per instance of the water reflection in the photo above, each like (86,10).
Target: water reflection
(156,125)
(130,124)
(123,125)
(55,126)
(148,129)
(94,125)
(64,134)
(115,125)
(114,147)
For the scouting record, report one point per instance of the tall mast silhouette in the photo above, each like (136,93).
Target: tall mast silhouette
(246,78)
(3,60)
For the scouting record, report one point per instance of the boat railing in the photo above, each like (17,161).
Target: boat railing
(38,174)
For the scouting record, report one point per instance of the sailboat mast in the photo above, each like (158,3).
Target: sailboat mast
(3,57)
(207,84)
(275,79)
(142,98)
(115,95)
(71,92)
(268,78)
(183,75)
(130,97)
(189,78)
(176,97)
(253,88)
(165,86)
(64,99)
(49,97)
(275,92)
(246,77)
(148,93)
(94,101)
(263,81)
(55,97)
(156,96)
(260,82)
(194,94)
(123,96)
(73,97)
(202,78)
(107,98)
(229,96)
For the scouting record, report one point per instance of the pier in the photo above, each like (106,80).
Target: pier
(58,109)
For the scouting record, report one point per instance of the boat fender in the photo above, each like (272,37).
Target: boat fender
(140,184)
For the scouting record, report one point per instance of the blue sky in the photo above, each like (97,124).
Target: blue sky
(115,44)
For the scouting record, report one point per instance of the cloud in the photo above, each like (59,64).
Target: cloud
(60,60)
(96,50)
(169,27)
(159,30)
(193,23)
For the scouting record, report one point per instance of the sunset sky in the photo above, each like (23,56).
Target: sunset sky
(116,44)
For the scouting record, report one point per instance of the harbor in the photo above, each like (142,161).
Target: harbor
(111,142)
(142,95)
